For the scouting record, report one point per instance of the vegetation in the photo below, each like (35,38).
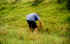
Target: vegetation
(55,18)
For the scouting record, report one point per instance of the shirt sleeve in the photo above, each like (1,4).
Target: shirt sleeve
(37,17)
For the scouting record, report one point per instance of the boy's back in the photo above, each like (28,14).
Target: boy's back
(32,17)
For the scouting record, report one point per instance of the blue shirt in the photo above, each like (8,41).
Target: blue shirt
(32,17)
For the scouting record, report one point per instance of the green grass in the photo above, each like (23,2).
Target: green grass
(14,28)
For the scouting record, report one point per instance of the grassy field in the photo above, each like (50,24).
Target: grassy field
(14,28)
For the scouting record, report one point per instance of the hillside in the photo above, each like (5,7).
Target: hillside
(14,28)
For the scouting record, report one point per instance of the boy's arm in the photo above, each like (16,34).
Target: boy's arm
(40,23)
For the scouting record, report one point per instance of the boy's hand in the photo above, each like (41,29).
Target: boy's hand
(40,24)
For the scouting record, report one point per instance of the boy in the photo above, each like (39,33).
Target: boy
(31,20)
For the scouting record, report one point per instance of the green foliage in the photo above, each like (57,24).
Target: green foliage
(37,2)
(68,4)
(61,1)
(68,20)
(14,29)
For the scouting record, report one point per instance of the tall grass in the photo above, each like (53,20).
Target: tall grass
(14,28)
